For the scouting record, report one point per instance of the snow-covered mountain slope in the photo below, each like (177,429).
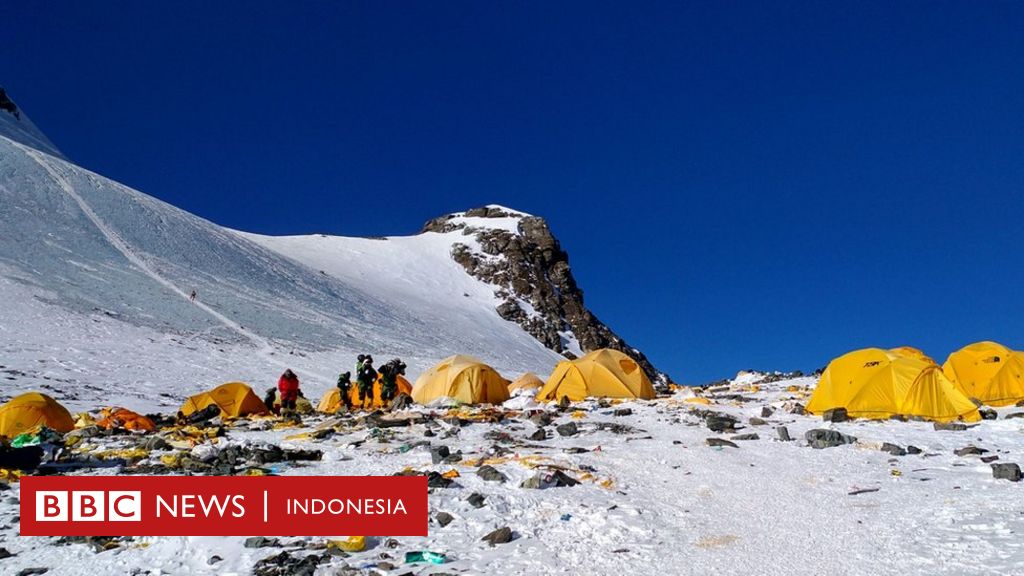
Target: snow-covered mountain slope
(78,249)
(14,124)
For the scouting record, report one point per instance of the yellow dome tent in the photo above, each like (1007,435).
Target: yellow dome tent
(528,381)
(330,402)
(877,384)
(988,372)
(911,352)
(602,373)
(27,411)
(461,378)
(235,399)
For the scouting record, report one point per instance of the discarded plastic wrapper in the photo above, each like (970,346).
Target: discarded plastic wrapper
(425,556)
(350,544)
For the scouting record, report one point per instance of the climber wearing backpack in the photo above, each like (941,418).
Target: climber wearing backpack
(365,377)
(288,386)
(345,389)
(389,374)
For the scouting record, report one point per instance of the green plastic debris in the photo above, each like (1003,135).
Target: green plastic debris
(425,556)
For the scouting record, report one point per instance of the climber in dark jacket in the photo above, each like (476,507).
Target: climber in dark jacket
(345,389)
(389,374)
(366,375)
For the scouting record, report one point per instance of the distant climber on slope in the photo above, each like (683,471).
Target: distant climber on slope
(365,377)
(288,386)
(192,296)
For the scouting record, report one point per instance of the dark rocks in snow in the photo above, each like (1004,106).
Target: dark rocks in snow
(302,455)
(1014,415)
(443,518)
(1006,471)
(5,553)
(529,265)
(262,542)
(767,411)
(33,571)
(439,453)
(541,419)
(719,423)
(913,450)
(757,421)
(490,474)
(969,451)
(988,414)
(284,564)
(820,438)
(502,535)
(622,412)
(154,443)
(720,442)
(745,437)
(568,429)
(989,459)
(783,434)
(214,560)
(951,426)
(794,408)
(834,415)
(538,435)
(893,449)
(476,500)
(436,480)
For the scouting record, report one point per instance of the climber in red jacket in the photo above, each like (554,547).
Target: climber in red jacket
(288,386)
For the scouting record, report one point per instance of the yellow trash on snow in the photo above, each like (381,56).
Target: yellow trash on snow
(602,373)
(878,384)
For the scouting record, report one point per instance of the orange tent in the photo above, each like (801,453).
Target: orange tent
(123,418)
(403,387)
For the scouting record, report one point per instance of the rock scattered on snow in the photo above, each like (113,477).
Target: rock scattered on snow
(783,433)
(490,474)
(720,442)
(538,435)
(820,438)
(969,451)
(476,500)
(951,426)
(502,535)
(443,518)
(834,415)
(893,449)
(743,437)
(568,429)
(1006,471)
(262,542)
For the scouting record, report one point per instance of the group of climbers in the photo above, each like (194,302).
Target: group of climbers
(283,399)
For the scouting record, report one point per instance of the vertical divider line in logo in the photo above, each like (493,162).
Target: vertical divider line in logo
(264,506)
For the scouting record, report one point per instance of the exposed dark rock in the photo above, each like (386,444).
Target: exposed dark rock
(821,438)
(444,518)
(214,560)
(8,105)
(969,451)
(541,419)
(720,423)
(1014,415)
(757,422)
(284,564)
(439,453)
(622,412)
(154,443)
(539,434)
(476,500)
(568,429)
(436,480)
(500,536)
(783,433)
(262,542)
(767,411)
(952,426)
(913,450)
(989,459)
(893,449)
(834,415)
(5,553)
(1006,471)
(988,414)
(530,266)
(33,571)
(490,474)
(745,437)
(720,442)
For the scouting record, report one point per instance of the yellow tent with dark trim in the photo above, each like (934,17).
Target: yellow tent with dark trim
(911,352)
(32,409)
(330,402)
(235,399)
(988,372)
(528,381)
(604,373)
(878,384)
(461,378)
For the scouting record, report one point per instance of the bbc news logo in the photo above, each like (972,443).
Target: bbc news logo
(88,506)
(223,505)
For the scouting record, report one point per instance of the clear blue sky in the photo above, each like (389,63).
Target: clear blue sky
(739,185)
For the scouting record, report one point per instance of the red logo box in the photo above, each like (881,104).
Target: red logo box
(223,505)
